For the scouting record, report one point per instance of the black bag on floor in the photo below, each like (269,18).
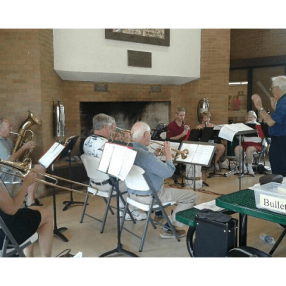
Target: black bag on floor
(216,234)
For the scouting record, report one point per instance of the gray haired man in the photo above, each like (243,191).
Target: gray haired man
(103,126)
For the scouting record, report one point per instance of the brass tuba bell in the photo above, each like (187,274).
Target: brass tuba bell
(24,128)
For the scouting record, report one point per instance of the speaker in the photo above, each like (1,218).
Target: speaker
(214,238)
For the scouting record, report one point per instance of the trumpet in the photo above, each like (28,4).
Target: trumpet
(184,154)
(26,166)
(120,134)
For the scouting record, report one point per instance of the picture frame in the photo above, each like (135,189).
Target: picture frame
(119,35)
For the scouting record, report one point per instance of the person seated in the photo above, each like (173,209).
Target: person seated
(220,148)
(250,144)
(6,148)
(103,127)
(177,129)
(24,222)
(158,171)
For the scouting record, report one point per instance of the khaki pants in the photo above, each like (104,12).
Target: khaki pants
(185,199)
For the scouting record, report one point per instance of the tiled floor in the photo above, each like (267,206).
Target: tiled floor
(86,237)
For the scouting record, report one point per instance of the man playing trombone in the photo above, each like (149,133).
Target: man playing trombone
(6,147)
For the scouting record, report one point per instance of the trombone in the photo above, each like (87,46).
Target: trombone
(26,166)
(184,154)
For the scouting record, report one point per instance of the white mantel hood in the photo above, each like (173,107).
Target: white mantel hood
(85,55)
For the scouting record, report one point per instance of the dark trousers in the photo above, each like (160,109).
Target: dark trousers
(277,155)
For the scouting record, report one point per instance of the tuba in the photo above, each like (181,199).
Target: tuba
(203,106)
(24,128)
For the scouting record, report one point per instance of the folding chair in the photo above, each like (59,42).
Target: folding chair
(137,180)
(10,247)
(91,165)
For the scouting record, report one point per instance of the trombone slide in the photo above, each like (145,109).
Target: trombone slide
(25,166)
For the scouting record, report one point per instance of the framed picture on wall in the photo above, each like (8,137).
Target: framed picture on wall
(159,37)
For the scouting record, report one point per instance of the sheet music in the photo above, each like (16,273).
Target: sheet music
(202,154)
(198,153)
(51,155)
(106,157)
(229,130)
(117,160)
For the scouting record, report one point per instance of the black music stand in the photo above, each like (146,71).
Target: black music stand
(119,248)
(67,153)
(240,134)
(115,185)
(198,155)
(57,231)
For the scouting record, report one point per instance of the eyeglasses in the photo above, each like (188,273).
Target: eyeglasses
(271,88)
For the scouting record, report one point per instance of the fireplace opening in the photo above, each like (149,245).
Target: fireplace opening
(125,113)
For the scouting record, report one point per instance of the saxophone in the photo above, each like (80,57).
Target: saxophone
(24,128)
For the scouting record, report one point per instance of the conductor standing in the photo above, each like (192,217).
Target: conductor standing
(277,124)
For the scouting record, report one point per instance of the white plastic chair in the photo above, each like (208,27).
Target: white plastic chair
(136,180)
(10,247)
(91,165)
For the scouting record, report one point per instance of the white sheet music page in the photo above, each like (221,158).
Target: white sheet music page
(51,155)
(203,154)
(192,151)
(121,162)
(228,131)
(106,157)
(199,154)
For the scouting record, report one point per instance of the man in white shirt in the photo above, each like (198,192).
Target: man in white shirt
(103,127)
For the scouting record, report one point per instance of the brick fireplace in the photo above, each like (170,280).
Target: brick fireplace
(125,113)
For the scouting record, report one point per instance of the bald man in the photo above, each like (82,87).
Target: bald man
(158,171)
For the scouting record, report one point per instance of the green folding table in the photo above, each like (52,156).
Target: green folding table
(242,202)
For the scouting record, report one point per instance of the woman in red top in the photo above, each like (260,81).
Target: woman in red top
(250,144)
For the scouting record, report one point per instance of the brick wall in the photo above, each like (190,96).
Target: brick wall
(28,81)
(213,84)
(255,43)
(27,77)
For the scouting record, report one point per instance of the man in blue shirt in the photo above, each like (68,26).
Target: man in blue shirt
(157,171)
(277,124)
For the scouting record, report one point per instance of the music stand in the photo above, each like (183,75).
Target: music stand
(115,185)
(200,153)
(119,248)
(57,231)
(240,134)
(67,153)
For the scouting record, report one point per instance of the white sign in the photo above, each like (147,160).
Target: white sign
(274,204)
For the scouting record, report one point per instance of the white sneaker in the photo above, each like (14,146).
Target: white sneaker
(250,171)
(137,215)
